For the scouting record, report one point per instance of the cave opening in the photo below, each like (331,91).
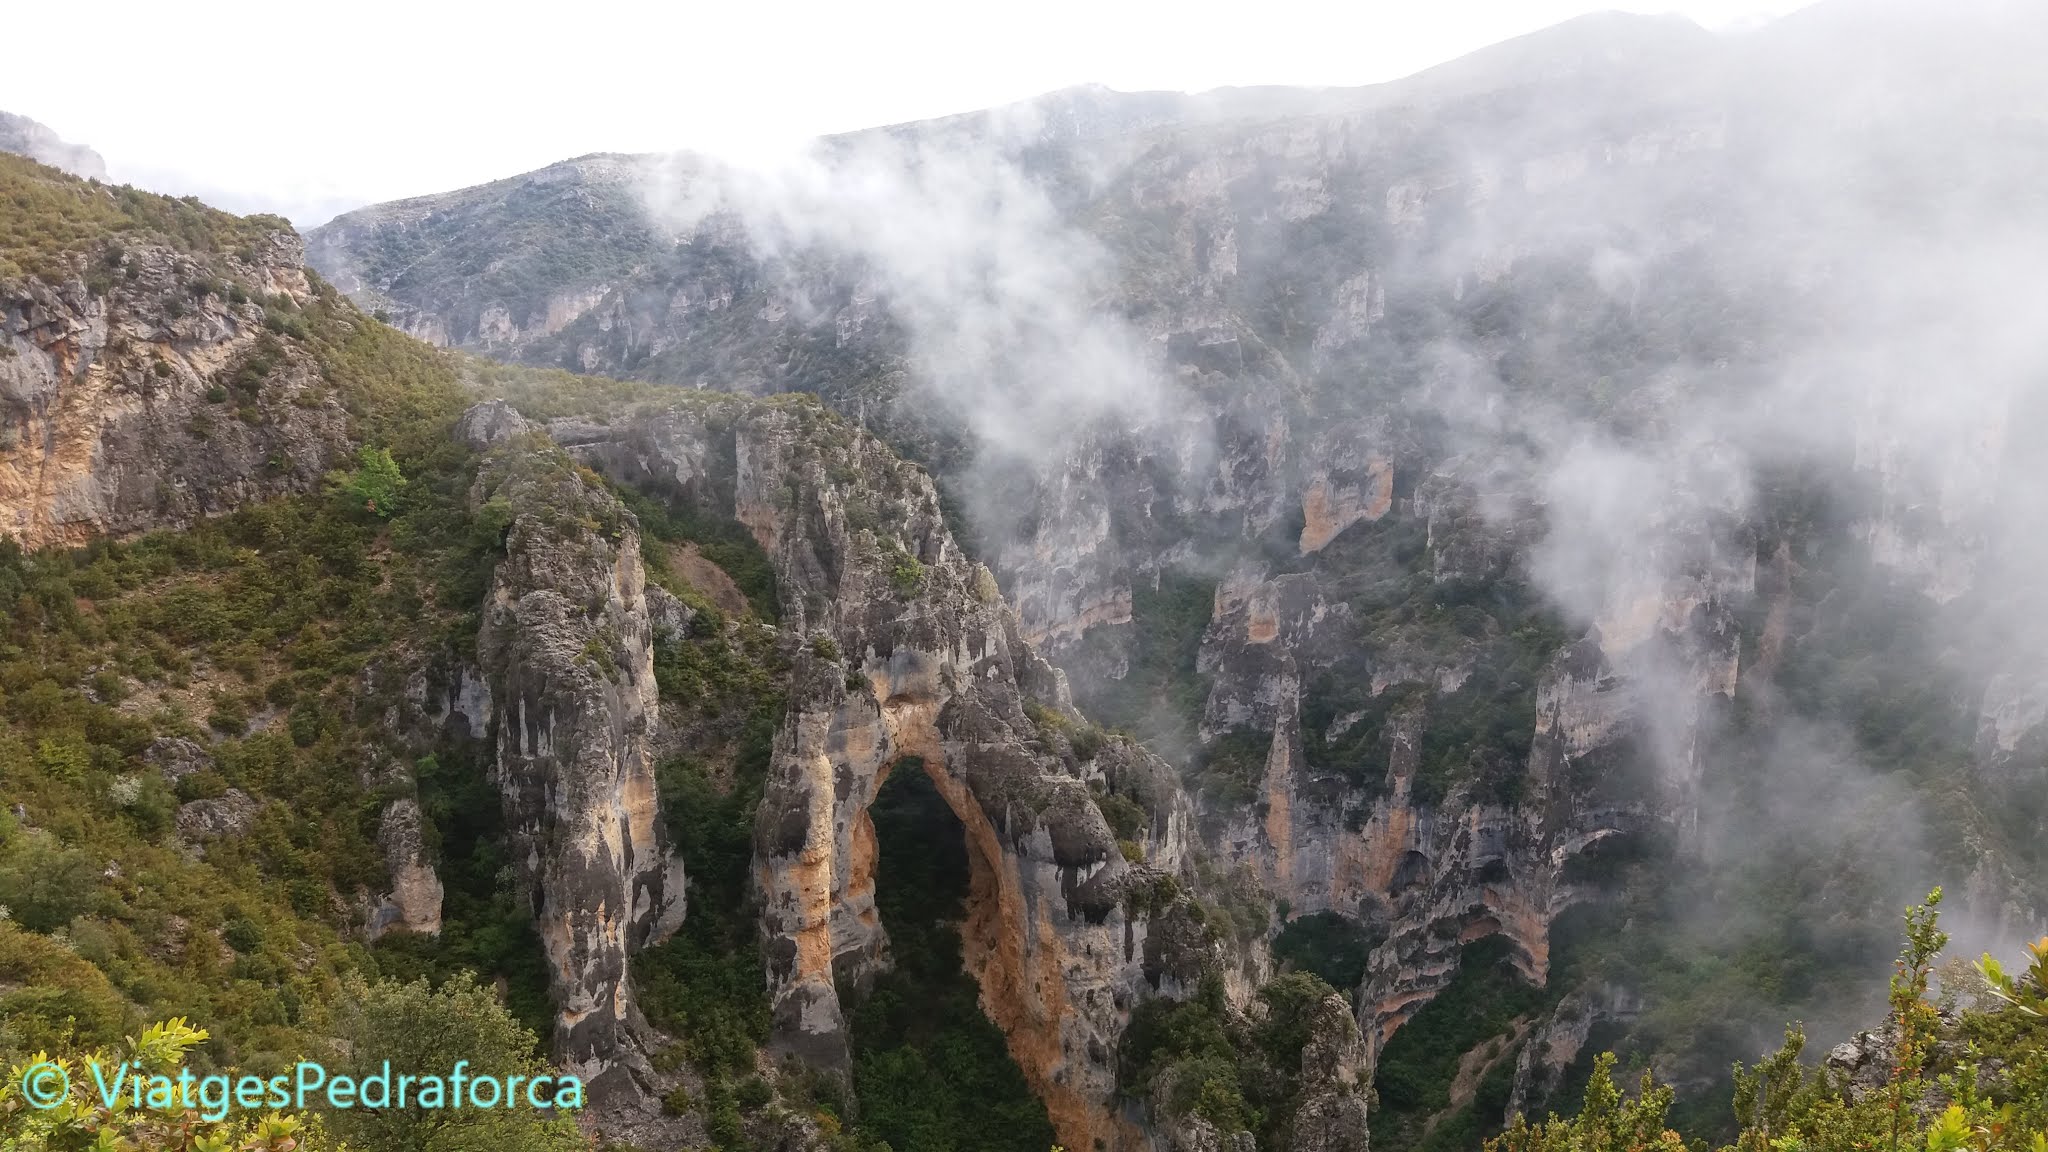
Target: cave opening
(1470,1032)
(931,1073)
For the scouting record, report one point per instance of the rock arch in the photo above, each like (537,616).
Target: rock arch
(902,646)
(1045,936)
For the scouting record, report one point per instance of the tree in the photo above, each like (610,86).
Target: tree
(376,482)
(1608,1122)
(42,883)
(1975,1080)
(421,1030)
(2027,992)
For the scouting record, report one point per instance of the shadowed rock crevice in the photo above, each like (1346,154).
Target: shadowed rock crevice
(929,1067)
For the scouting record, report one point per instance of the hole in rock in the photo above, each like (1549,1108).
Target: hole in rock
(930,1071)
(1416,1071)
(1329,944)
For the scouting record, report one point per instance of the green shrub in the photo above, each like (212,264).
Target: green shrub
(376,483)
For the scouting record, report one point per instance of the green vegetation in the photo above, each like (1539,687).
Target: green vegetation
(418,1026)
(522,245)
(1975,1077)
(906,574)
(1484,1000)
(1233,769)
(1495,631)
(1329,944)
(1854,730)
(1868,655)
(547,393)
(1200,1057)
(51,220)
(706,983)
(275,642)
(376,482)
(80,1120)
(273,627)
(1358,748)
(1160,698)
(485,927)
(375,1026)
(721,540)
(931,1073)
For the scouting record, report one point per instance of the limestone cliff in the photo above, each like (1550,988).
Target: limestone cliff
(1477,543)
(145,392)
(912,662)
(25,137)
(566,647)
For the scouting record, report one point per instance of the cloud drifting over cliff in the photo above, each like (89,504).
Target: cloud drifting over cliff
(1846,492)
(998,293)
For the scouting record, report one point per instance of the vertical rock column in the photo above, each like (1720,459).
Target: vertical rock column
(567,647)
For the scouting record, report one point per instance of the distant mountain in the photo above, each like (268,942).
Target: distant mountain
(24,137)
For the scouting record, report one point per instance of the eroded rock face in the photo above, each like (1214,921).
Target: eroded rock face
(176,757)
(229,814)
(142,405)
(1334,1073)
(566,646)
(1429,866)
(1541,1064)
(21,135)
(916,664)
(1372,305)
(414,902)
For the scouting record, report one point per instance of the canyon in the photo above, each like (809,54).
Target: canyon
(1558,509)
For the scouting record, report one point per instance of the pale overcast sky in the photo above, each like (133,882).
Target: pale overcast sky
(308,110)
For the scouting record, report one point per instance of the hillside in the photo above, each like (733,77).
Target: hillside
(1134,622)
(433,695)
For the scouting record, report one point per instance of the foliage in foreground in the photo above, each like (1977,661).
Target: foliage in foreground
(1973,1078)
(81,1119)
(416,1027)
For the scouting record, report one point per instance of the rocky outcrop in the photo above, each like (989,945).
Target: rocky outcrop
(24,137)
(1334,1073)
(176,757)
(566,646)
(915,664)
(1541,1062)
(414,902)
(367,253)
(1469,395)
(1332,503)
(139,401)
(229,814)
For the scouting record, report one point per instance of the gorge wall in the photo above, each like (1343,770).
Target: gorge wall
(566,645)
(910,661)
(146,392)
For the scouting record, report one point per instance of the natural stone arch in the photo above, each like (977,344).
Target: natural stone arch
(1045,937)
(934,666)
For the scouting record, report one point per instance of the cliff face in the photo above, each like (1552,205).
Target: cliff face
(566,646)
(912,662)
(581,219)
(905,658)
(25,137)
(1353,807)
(132,401)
